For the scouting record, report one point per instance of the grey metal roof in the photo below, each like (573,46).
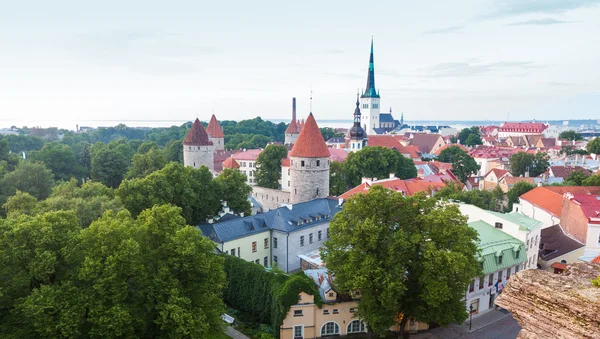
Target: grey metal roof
(282,219)
(386,117)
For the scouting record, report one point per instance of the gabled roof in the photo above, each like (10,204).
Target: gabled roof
(310,143)
(589,205)
(413,151)
(214,128)
(408,187)
(528,127)
(283,219)
(230,163)
(424,141)
(337,154)
(386,117)
(387,141)
(564,171)
(197,135)
(251,155)
(549,198)
(554,243)
(511,181)
(499,173)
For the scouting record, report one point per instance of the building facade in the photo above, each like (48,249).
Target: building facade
(198,149)
(247,163)
(215,133)
(357,134)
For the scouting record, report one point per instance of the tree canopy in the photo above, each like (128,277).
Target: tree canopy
(409,256)
(377,162)
(576,178)
(592,180)
(268,166)
(570,135)
(518,190)
(337,180)
(522,162)
(463,165)
(594,146)
(235,190)
(470,136)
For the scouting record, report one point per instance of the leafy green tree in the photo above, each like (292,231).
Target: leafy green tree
(31,177)
(481,199)
(193,190)
(594,146)
(497,203)
(337,182)
(408,256)
(59,159)
(592,180)
(235,190)
(146,163)
(22,203)
(109,165)
(463,165)
(570,135)
(576,178)
(173,151)
(522,162)
(328,133)
(147,146)
(516,191)
(377,162)
(268,166)
(470,136)
(86,158)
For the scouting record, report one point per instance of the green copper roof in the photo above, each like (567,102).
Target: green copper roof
(525,223)
(370,91)
(493,243)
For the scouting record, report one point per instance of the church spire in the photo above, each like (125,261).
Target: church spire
(357,132)
(370,91)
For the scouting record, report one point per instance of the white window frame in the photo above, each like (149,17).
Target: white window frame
(327,334)
(361,325)
(301,331)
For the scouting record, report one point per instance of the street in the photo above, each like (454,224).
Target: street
(505,328)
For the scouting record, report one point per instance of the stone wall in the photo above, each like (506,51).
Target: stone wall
(309,181)
(573,221)
(196,156)
(270,198)
(219,143)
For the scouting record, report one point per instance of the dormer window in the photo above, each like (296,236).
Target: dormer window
(498,225)
(500,259)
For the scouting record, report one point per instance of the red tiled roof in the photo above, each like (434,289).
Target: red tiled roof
(528,127)
(414,152)
(337,154)
(590,206)
(498,172)
(220,156)
(564,171)
(197,135)
(558,265)
(596,260)
(387,141)
(424,141)
(451,145)
(549,198)
(285,162)
(510,181)
(251,154)
(230,163)
(292,128)
(408,187)
(310,143)
(214,128)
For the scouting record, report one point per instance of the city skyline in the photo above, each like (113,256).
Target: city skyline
(472,60)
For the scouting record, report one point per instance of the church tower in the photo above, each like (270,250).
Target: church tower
(357,133)
(198,150)
(309,165)
(292,132)
(370,100)
(215,133)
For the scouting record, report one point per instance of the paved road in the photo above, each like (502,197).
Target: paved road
(506,328)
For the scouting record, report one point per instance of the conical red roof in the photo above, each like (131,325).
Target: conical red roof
(292,128)
(214,128)
(310,143)
(197,135)
(230,163)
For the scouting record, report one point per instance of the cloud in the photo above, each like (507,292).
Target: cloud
(520,7)
(445,30)
(151,52)
(539,22)
(466,69)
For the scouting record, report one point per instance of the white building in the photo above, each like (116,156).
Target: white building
(247,162)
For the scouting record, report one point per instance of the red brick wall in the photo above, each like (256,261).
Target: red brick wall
(573,221)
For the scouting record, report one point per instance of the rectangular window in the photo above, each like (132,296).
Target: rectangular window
(301,240)
(500,275)
(298,313)
(275,259)
(517,254)
(233,252)
(257,261)
(331,294)
(472,286)
(301,163)
(352,310)
(288,184)
(517,269)
(336,311)
(481,282)
(298,332)
(500,259)
(491,277)
(319,235)
(508,273)
(266,242)
(274,242)
(318,163)
(498,224)
(266,262)
(253,246)
(250,164)
(310,238)
(325,312)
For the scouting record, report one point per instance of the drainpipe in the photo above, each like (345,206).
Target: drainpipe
(287,253)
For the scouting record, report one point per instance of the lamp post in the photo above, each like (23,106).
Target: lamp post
(470,316)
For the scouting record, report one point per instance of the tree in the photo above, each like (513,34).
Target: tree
(22,203)
(522,163)
(268,166)
(570,135)
(235,190)
(482,199)
(592,180)
(594,146)
(146,163)
(470,136)
(337,181)
(377,162)
(173,151)
(86,158)
(463,165)
(408,256)
(576,178)
(497,203)
(59,159)
(193,190)
(31,177)
(108,165)
(516,191)
(328,133)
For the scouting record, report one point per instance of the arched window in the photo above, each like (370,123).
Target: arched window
(330,328)
(356,326)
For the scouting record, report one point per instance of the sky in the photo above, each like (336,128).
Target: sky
(72,61)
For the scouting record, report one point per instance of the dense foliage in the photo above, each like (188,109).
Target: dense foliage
(570,135)
(482,199)
(377,162)
(594,146)
(268,166)
(463,165)
(523,163)
(337,181)
(518,190)
(266,294)
(149,277)
(470,136)
(409,256)
(328,133)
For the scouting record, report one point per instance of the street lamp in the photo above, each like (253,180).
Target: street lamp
(470,316)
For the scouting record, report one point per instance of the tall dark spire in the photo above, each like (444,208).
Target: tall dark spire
(357,132)
(370,91)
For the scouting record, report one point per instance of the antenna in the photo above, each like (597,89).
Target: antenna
(311,95)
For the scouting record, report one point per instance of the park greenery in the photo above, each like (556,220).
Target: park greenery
(463,165)
(410,258)
(527,164)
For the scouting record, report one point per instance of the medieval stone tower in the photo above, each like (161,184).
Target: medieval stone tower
(215,133)
(198,149)
(309,165)
(292,132)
